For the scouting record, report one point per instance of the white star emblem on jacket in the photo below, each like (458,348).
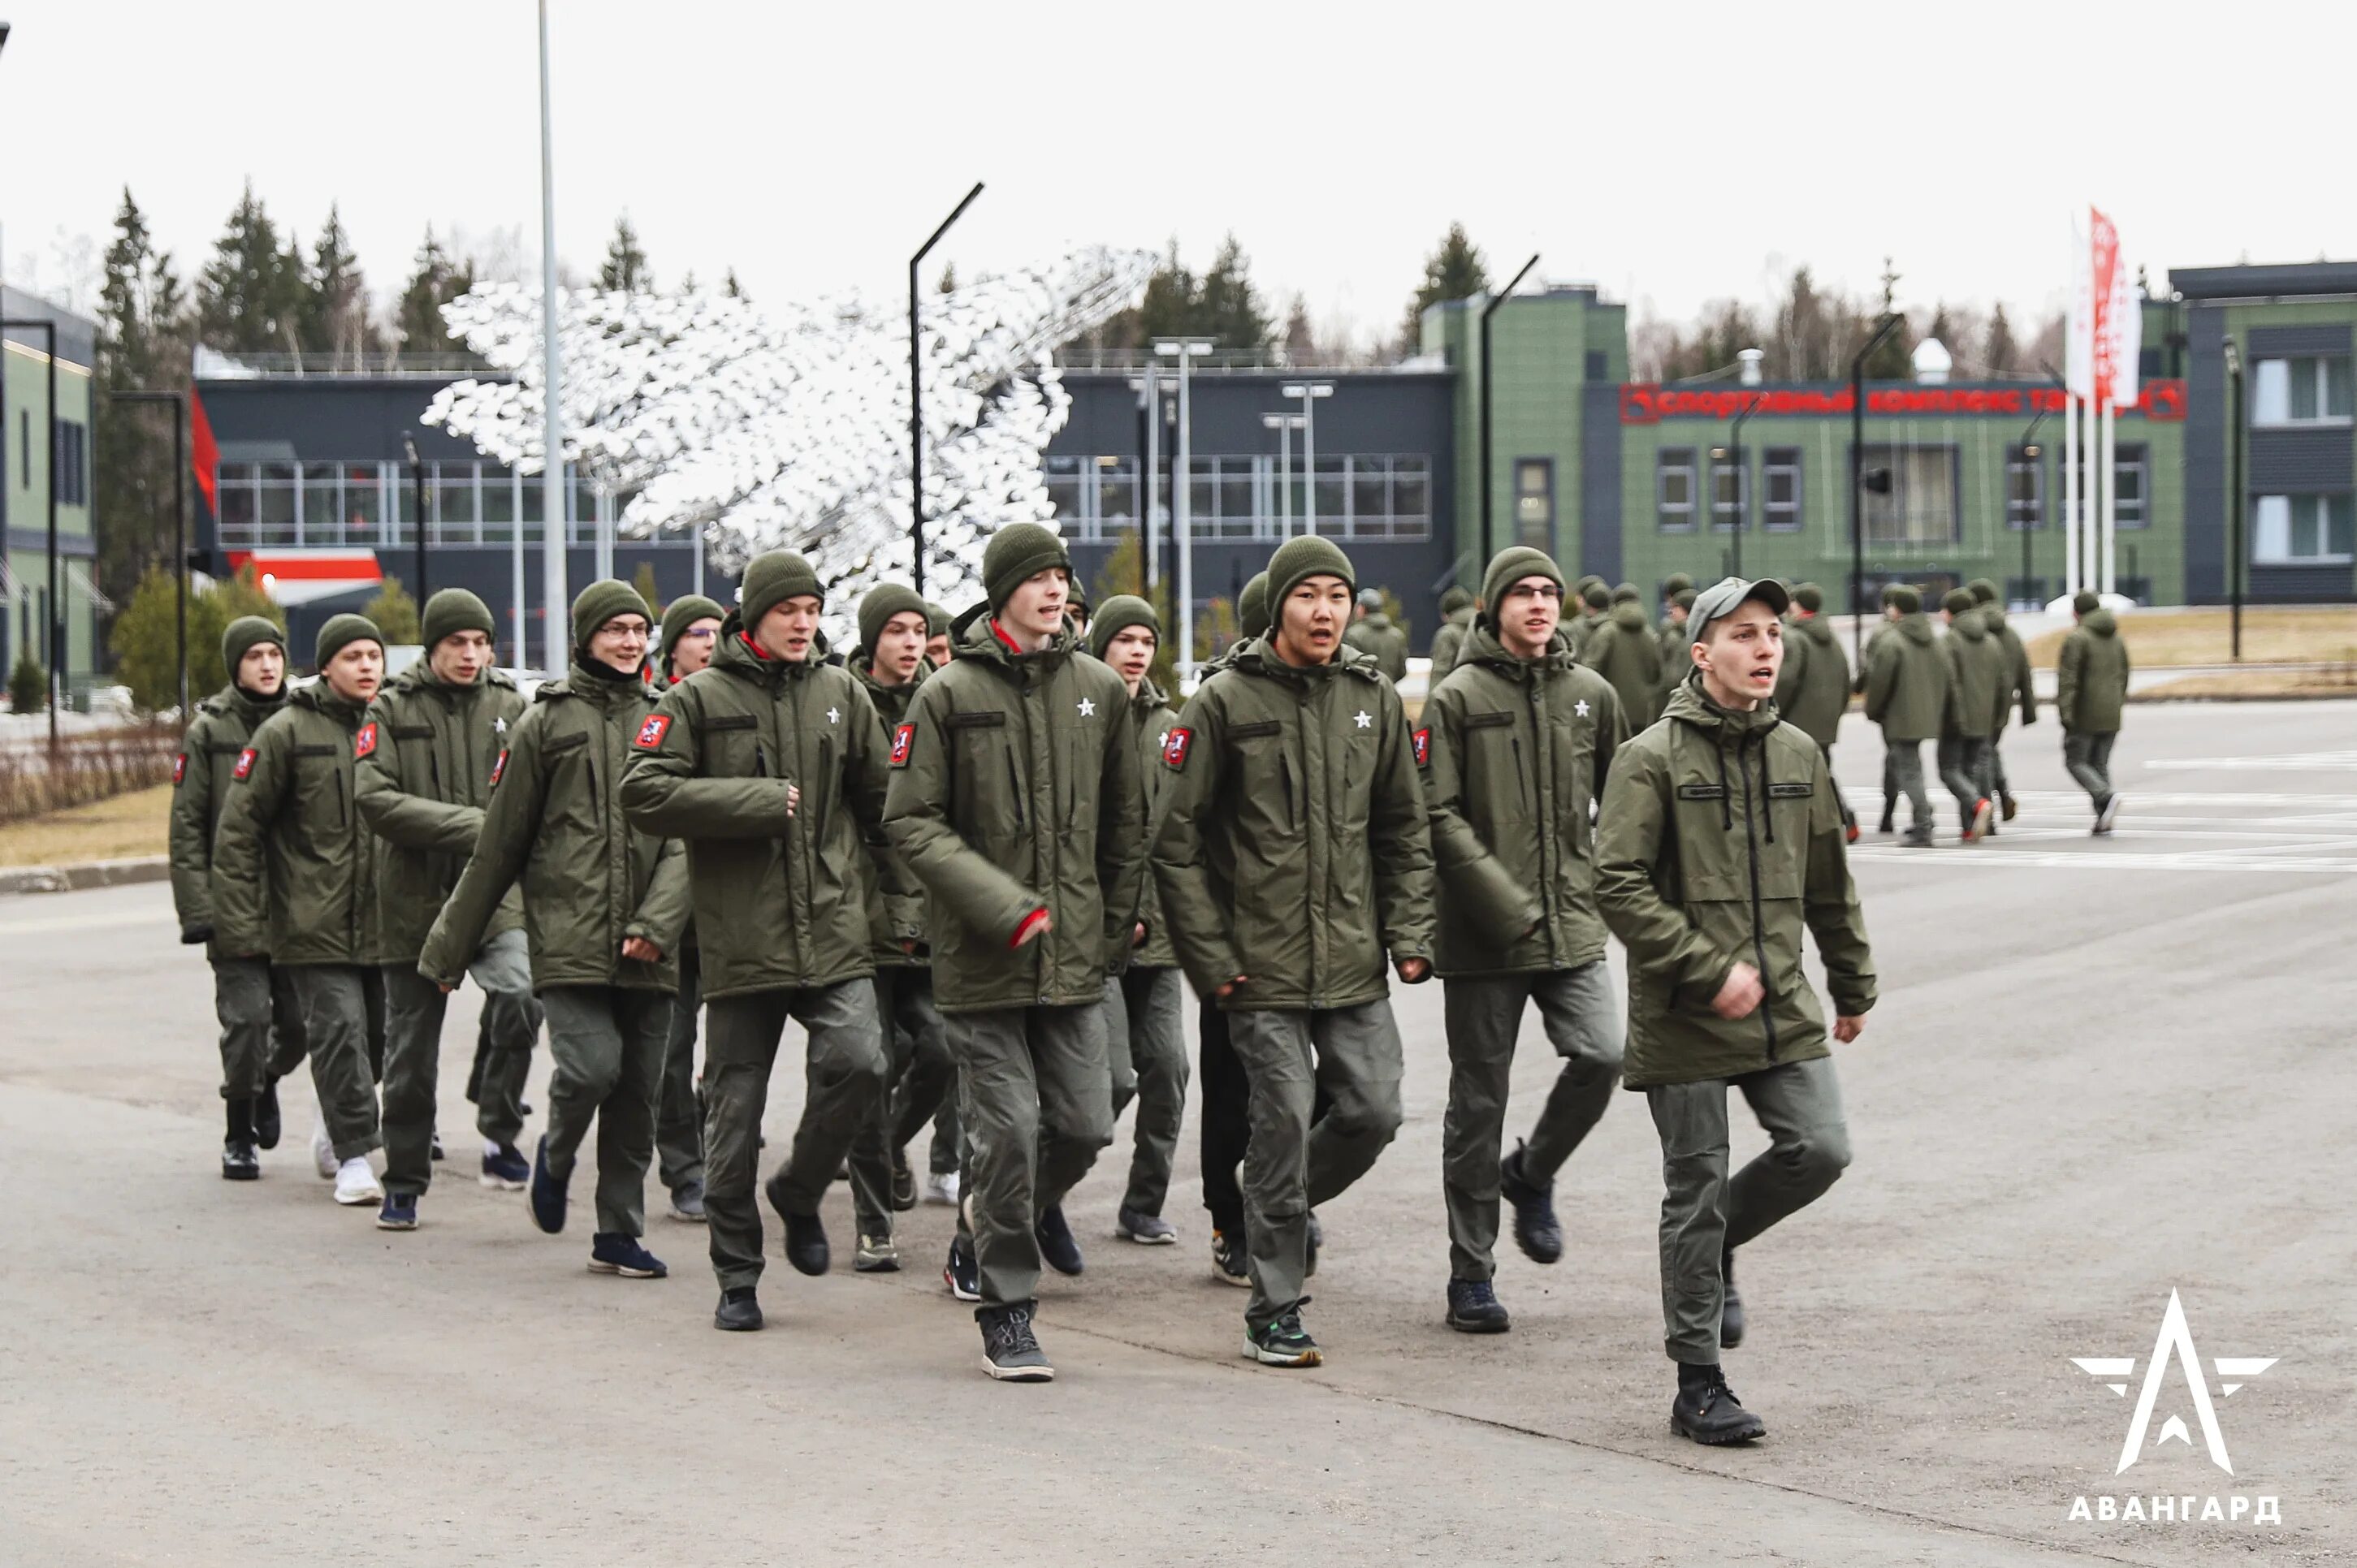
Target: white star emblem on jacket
(1087,707)
(498,727)
(832,716)
(1580,707)
(1365,719)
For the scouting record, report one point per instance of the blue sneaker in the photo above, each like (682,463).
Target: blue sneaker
(547,1192)
(611,1252)
(505,1169)
(1058,1249)
(399,1213)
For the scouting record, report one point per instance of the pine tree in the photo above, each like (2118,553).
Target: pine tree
(335,308)
(1300,343)
(643,580)
(1894,359)
(417,323)
(1455,269)
(143,346)
(2000,356)
(948,279)
(249,297)
(625,267)
(730,286)
(1228,308)
(394,612)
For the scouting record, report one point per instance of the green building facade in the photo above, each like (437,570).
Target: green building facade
(24,488)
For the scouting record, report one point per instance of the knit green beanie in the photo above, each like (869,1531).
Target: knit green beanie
(1595,596)
(601,601)
(1902,598)
(1810,598)
(1117,615)
(454,611)
(2085,602)
(1510,566)
(1683,598)
(684,612)
(1959,601)
(937,620)
(1455,599)
(1016,554)
(879,605)
(1298,560)
(1251,606)
(1625,594)
(339,630)
(771,580)
(1981,590)
(1675,583)
(241,636)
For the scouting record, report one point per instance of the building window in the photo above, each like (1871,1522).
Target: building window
(1534,501)
(73,463)
(1729,489)
(1921,509)
(1674,489)
(2025,490)
(2129,471)
(1064,476)
(1780,483)
(1116,495)
(2309,391)
(1363,495)
(2304,530)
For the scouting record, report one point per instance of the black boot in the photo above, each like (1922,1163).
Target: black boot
(239,1162)
(1707,1411)
(266,1123)
(738,1312)
(1730,1308)
(1536,1229)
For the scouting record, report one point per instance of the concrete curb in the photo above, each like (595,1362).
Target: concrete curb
(90,874)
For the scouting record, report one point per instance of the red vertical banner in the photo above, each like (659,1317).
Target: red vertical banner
(204,452)
(2103,259)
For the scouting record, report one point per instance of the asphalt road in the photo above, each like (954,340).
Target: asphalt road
(2102,1071)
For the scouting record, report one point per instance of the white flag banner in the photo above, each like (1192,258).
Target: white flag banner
(2104,294)
(2126,324)
(2079,331)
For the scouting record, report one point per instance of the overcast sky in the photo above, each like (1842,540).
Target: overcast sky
(1673,154)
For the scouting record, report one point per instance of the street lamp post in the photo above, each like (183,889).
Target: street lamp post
(916,403)
(1187,350)
(1488,545)
(1731,455)
(1307,393)
(2235,498)
(1284,425)
(179,401)
(417,495)
(552,487)
(1858,484)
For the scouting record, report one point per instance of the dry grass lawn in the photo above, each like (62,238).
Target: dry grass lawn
(2247,684)
(2204,637)
(132,824)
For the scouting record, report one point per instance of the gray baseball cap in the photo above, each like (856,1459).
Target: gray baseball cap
(1722,597)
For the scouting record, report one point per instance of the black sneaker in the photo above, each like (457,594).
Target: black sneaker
(1474,1308)
(1707,1411)
(611,1252)
(1010,1351)
(1730,1310)
(1887,826)
(267,1123)
(1284,1342)
(399,1213)
(738,1312)
(963,1273)
(435,1151)
(687,1203)
(239,1162)
(1536,1230)
(806,1247)
(1145,1229)
(1058,1249)
(1228,1265)
(1918,837)
(505,1169)
(904,1183)
(547,1192)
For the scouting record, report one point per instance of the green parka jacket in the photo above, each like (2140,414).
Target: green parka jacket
(889,920)
(2018,685)
(1514,752)
(1976,678)
(2091,675)
(1154,718)
(1720,838)
(1626,652)
(1294,846)
(426,753)
(201,776)
(1015,789)
(555,823)
(1448,643)
(1812,688)
(1374,635)
(1907,681)
(293,866)
(781,895)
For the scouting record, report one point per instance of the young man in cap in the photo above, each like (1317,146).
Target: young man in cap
(780,903)
(1293,856)
(1907,694)
(1456,621)
(295,883)
(1373,634)
(603,907)
(2090,694)
(1812,688)
(260,1027)
(1719,841)
(425,754)
(2017,687)
(691,631)
(889,663)
(1628,653)
(1016,800)
(1976,676)
(1516,745)
(1146,1034)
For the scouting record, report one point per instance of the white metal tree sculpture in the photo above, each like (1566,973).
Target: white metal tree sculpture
(770,429)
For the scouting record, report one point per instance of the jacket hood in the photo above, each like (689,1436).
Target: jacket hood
(1993,616)
(1482,647)
(1688,706)
(973,635)
(1378,620)
(730,652)
(321,698)
(858,665)
(1970,627)
(1630,616)
(1916,628)
(235,699)
(1817,629)
(1148,696)
(1255,656)
(420,677)
(2102,623)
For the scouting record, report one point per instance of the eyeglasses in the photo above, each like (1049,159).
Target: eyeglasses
(625,629)
(700,634)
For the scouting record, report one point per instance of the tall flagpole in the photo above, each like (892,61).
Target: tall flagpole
(2111,501)
(2070,495)
(556,602)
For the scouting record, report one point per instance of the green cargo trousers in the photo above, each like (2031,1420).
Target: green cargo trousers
(1484,1015)
(260,1025)
(844,1077)
(1704,1215)
(606,1043)
(1964,770)
(2088,756)
(1292,1165)
(1903,775)
(413,1009)
(1037,1108)
(679,1117)
(917,1073)
(1145,1056)
(342,1007)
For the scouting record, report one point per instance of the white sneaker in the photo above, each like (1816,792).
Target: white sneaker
(323,1150)
(943,1189)
(356,1183)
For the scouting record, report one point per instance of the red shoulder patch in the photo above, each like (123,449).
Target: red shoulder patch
(1175,746)
(244,765)
(364,744)
(1422,741)
(180,768)
(904,741)
(650,733)
(499,766)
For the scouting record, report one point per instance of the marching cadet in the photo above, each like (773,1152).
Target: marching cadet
(603,906)
(1674,660)
(1812,688)
(1627,653)
(890,665)
(295,885)
(1719,841)
(1145,1036)
(1977,681)
(2090,694)
(691,631)
(2017,687)
(426,752)
(1293,855)
(1455,620)
(937,635)
(1374,635)
(260,1027)
(1015,799)
(1907,694)
(1516,745)
(1593,608)
(780,903)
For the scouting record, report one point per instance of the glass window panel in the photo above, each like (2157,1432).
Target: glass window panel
(363,505)
(1236,495)
(2271,392)
(1411,496)
(2271,529)
(1331,495)
(1370,500)
(277,473)
(1117,490)
(1674,487)
(2304,377)
(453,500)
(499,509)
(2340,526)
(1063,479)
(1921,509)
(2338,402)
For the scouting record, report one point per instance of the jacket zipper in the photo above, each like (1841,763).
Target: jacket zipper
(1522,780)
(1015,781)
(1285,783)
(1759,943)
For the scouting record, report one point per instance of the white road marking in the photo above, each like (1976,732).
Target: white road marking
(90,922)
(2288,762)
